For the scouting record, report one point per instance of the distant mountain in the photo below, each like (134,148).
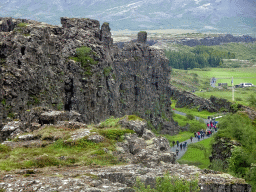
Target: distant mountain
(228,16)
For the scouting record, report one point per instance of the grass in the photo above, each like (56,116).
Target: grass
(202,114)
(241,95)
(64,151)
(198,154)
(182,136)
(183,80)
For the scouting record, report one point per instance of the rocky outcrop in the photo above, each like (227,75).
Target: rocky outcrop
(222,150)
(210,41)
(150,152)
(116,178)
(39,69)
(187,99)
(214,104)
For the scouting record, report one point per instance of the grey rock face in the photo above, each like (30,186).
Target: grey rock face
(142,37)
(37,70)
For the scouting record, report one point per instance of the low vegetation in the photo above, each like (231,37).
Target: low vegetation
(65,151)
(198,154)
(85,56)
(242,162)
(194,111)
(169,184)
(182,136)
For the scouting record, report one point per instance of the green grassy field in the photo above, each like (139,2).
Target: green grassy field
(224,75)
(198,154)
(184,80)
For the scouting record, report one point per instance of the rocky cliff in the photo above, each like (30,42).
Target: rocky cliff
(39,68)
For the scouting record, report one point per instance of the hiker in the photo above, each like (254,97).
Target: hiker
(186,143)
(177,151)
(191,138)
(195,134)
(181,146)
(177,143)
(198,137)
(173,143)
(184,146)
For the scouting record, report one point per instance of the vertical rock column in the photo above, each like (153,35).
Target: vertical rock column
(142,37)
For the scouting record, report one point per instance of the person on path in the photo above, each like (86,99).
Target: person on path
(177,143)
(181,146)
(184,146)
(173,143)
(195,134)
(177,151)
(198,137)
(191,138)
(186,143)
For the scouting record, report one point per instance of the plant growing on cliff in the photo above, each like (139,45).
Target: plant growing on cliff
(107,71)
(84,55)
(22,24)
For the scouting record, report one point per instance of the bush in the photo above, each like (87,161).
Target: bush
(218,165)
(22,24)
(169,184)
(4,148)
(114,134)
(106,71)
(85,56)
(190,116)
(196,126)
(238,162)
(111,122)
(252,100)
(134,118)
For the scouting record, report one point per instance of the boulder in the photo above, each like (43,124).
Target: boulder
(137,126)
(95,138)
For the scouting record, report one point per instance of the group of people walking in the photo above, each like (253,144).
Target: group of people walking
(181,145)
(211,127)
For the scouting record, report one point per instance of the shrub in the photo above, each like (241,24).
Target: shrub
(114,134)
(190,116)
(169,184)
(85,56)
(196,126)
(252,100)
(111,122)
(4,148)
(238,162)
(238,99)
(134,118)
(106,71)
(22,24)
(218,165)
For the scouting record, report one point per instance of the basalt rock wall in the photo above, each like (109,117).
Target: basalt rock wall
(39,69)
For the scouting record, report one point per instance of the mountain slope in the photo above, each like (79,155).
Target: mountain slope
(233,16)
